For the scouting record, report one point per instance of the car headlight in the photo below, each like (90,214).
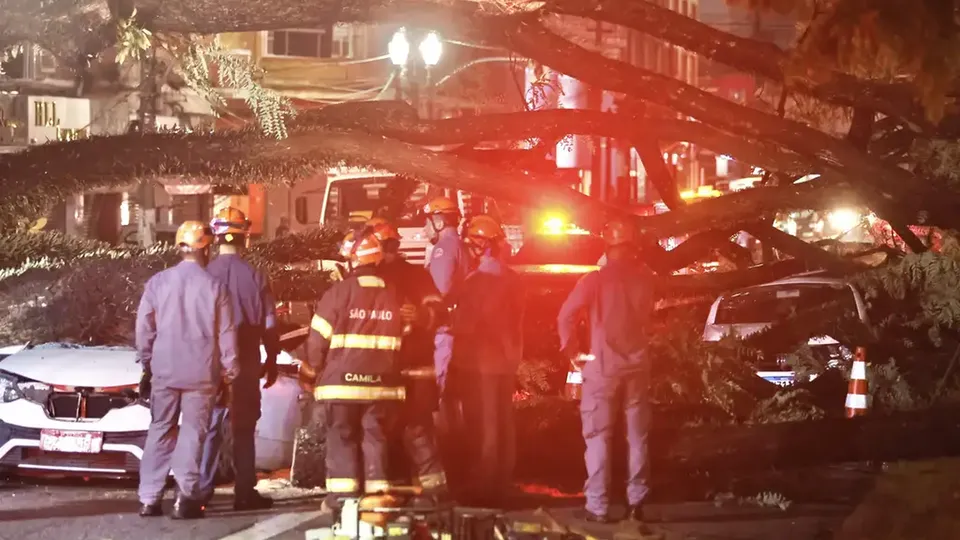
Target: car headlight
(8,389)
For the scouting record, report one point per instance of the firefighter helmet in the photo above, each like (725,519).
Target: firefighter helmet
(230,221)
(483,231)
(383,229)
(441,205)
(365,251)
(193,236)
(618,232)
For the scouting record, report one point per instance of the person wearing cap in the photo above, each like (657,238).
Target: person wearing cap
(416,358)
(488,346)
(254,312)
(617,301)
(447,264)
(353,359)
(186,341)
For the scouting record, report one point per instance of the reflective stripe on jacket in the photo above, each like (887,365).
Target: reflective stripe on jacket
(355,338)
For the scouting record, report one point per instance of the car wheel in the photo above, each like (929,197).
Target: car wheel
(225,464)
(309,446)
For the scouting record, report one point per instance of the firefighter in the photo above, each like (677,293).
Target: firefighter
(186,341)
(355,337)
(618,301)
(447,264)
(487,329)
(416,358)
(255,317)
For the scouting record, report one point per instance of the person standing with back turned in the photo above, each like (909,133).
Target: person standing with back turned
(255,314)
(186,341)
(619,301)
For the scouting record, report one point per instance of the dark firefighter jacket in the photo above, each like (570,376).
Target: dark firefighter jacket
(355,339)
(417,288)
(488,321)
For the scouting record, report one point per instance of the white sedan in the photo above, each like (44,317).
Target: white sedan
(72,409)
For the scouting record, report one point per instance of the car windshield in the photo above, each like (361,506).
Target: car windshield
(396,197)
(773,302)
(579,249)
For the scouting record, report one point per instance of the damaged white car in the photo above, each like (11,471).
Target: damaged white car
(71,409)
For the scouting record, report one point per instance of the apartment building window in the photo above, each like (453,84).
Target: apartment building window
(333,41)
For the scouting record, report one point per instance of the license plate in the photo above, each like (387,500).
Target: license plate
(74,442)
(574,377)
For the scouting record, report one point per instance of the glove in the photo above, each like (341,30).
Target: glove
(409,312)
(145,384)
(223,395)
(269,372)
(307,377)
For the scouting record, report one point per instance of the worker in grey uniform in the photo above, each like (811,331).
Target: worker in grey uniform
(488,346)
(186,341)
(618,301)
(447,264)
(254,311)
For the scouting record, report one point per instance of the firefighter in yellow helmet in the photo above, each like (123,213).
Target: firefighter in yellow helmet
(447,264)
(254,311)
(416,355)
(488,346)
(354,343)
(186,341)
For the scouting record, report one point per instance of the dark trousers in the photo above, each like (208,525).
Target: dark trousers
(487,434)
(419,439)
(358,435)
(243,414)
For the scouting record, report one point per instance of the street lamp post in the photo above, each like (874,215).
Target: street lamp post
(399,51)
(431,49)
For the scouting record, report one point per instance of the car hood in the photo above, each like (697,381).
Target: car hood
(67,365)
(75,366)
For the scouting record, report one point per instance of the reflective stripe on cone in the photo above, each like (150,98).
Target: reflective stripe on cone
(359,393)
(856,402)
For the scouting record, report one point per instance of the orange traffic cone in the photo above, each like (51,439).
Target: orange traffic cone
(857,389)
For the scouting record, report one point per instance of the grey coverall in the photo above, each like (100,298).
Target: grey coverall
(488,347)
(619,298)
(448,267)
(254,313)
(187,340)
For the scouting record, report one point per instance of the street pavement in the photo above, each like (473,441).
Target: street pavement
(98,509)
(54,509)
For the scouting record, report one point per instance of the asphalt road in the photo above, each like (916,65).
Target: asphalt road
(55,509)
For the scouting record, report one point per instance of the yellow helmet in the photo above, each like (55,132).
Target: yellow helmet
(383,229)
(365,251)
(230,221)
(194,236)
(441,205)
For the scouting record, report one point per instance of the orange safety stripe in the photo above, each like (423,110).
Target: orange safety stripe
(420,373)
(359,393)
(365,341)
(371,281)
(322,327)
(342,485)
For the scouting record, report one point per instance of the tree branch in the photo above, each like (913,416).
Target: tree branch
(750,55)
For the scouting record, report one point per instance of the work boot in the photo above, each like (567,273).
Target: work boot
(253,501)
(151,510)
(184,508)
(585,515)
